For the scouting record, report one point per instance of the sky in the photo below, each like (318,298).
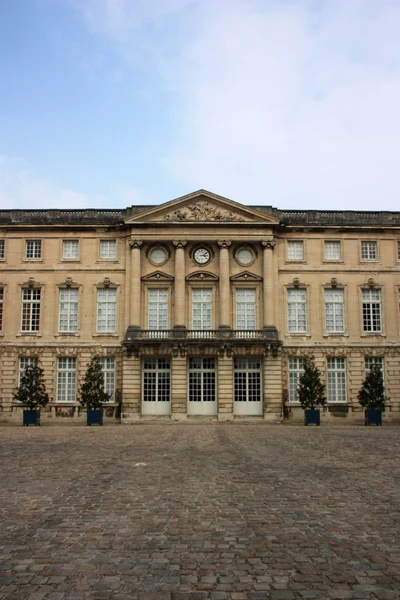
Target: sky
(113,103)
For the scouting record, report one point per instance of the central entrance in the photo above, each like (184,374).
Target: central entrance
(202,382)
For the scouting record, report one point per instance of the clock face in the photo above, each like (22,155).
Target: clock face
(202,256)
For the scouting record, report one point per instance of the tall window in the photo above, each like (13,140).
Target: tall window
(369,251)
(202,308)
(70,249)
(332,250)
(371,304)
(158,308)
(108,366)
(247,379)
(296,368)
(68,320)
(106,310)
(245,309)
(25,361)
(295,250)
(336,379)
(373,360)
(334,311)
(108,249)
(2,249)
(202,373)
(1,307)
(156,380)
(33,249)
(297,311)
(66,379)
(30,309)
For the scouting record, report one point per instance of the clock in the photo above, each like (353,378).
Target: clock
(202,256)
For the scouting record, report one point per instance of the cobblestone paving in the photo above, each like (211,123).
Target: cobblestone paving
(199,511)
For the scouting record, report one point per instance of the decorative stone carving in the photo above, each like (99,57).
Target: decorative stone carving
(31,282)
(334,282)
(202,276)
(225,349)
(371,282)
(179,243)
(135,244)
(269,244)
(157,276)
(107,282)
(296,282)
(246,276)
(224,244)
(68,281)
(202,211)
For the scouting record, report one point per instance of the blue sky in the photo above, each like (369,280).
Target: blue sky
(109,103)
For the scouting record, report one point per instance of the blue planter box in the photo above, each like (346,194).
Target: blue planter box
(94,417)
(312,417)
(373,417)
(31,417)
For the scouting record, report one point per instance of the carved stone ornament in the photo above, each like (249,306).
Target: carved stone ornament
(224,244)
(157,276)
(296,282)
(202,276)
(107,282)
(371,282)
(246,276)
(135,244)
(268,244)
(68,281)
(202,211)
(31,282)
(179,243)
(334,282)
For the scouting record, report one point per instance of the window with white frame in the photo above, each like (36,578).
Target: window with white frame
(296,368)
(33,249)
(202,379)
(334,311)
(369,250)
(247,384)
(2,249)
(25,361)
(373,360)
(108,367)
(1,307)
(106,310)
(202,308)
(158,308)
(108,249)
(30,321)
(295,250)
(246,309)
(156,380)
(371,307)
(70,249)
(336,371)
(66,379)
(68,310)
(332,250)
(297,310)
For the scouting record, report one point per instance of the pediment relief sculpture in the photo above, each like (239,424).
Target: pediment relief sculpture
(202,211)
(246,276)
(202,276)
(158,276)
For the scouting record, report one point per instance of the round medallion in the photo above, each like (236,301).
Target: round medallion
(244,256)
(202,256)
(158,256)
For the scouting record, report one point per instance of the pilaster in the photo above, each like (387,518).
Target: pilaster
(179,388)
(135,284)
(225,388)
(225,313)
(272,387)
(268,282)
(131,389)
(179,289)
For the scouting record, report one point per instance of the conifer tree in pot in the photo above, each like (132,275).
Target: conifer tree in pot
(92,394)
(31,393)
(311,392)
(372,396)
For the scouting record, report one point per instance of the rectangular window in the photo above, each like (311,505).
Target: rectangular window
(332,250)
(336,380)
(369,251)
(33,249)
(296,368)
(108,366)
(25,361)
(30,309)
(297,311)
(245,309)
(108,249)
(247,379)
(1,307)
(68,320)
(202,308)
(295,250)
(373,360)
(70,249)
(2,249)
(106,310)
(202,373)
(156,380)
(66,379)
(334,311)
(158,309)
(371,303)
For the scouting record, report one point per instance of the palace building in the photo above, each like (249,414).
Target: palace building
(200,307)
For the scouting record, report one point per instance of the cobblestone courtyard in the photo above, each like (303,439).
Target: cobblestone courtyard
(192,511)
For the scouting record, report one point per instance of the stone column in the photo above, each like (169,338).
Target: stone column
(135,285)
(273,387)
(179,291)
(225,312)
(268,282)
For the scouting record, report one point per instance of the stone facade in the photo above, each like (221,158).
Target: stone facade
(200,306)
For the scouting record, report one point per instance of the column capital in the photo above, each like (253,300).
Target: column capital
(135,244)
(268,244)
(224,244)
(179,243)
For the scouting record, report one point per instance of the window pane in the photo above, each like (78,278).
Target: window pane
(295,250)
(108,249)
(70,249)
(332,250)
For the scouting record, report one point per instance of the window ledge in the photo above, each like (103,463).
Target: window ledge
(335,335)
(66,334)
(293,334)
(366,261)
(29,334)
(32,260)
(70,260)
(291,261)
(334,261)
(107,260)
(105,334)
(373,334)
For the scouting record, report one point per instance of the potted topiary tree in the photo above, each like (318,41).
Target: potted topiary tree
(92,394)
(372,396)
(311,392)
(31,393)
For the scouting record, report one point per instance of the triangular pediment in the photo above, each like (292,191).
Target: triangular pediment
(158,276)
(202,276)
(201,207)
(246,276)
